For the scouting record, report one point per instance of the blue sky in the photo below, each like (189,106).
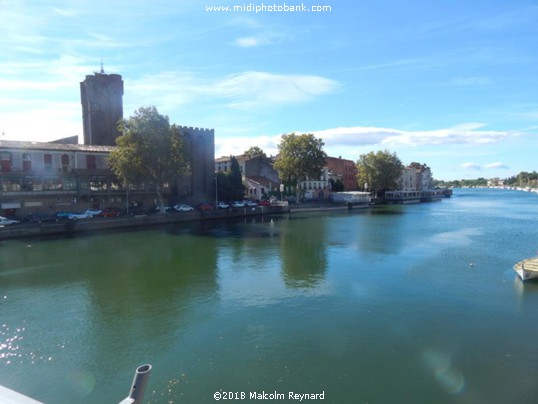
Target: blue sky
(452,84)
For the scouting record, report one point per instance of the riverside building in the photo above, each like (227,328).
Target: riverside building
(65,175)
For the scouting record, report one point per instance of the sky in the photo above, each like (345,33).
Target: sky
(451,84)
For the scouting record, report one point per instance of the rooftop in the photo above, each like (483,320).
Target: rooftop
(29,145)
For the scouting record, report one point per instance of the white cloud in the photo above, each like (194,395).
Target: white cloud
(247,90)
(237,145)
(353,139)
(471,166)
(250,41)
(467,133)
(497,166)
(48,122)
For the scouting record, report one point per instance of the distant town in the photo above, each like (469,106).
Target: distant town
(64,175)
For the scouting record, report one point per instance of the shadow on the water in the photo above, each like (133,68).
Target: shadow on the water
(388,210)
(246,227)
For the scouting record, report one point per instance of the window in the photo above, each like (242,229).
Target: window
(47,162)
(5,161)
(11,184)
(26,163)
(65,163)
(91,162)
(98,184)
(52,184)
(69,184)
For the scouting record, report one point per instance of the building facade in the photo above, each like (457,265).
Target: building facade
(50,177)
(259,176)
(101,96)
(64,175)
(347,169)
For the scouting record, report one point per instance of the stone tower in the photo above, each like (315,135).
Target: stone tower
(200,143)
(101,96)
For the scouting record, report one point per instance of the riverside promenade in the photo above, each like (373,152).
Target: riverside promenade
(103,224)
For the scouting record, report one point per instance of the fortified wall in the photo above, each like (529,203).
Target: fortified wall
(200,144)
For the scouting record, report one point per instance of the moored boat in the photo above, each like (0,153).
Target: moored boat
(527,269)
(403,197)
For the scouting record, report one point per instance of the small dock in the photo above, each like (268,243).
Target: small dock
(527,269)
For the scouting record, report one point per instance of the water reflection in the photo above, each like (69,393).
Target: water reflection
(151,281)
(384,230)
(303,252)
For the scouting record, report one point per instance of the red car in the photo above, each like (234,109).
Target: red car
(264,203)
(111,212)
(206,206)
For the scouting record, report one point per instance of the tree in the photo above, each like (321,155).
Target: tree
(300,157)
(337,186)
(149,151)
(379,171)
(254,151)
(236,180)
(230,184)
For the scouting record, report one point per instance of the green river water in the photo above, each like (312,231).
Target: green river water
(397,304)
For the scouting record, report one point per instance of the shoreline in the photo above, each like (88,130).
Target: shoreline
(124,222)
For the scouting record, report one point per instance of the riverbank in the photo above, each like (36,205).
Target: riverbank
(103,224)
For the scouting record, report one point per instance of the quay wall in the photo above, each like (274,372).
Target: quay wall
(101,224)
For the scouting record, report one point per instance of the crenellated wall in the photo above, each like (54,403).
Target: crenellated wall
(201,147)
(101,96)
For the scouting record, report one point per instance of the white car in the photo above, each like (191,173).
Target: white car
(76,216)
(183,208)
(238,204)
(4,221)
(94,212)
(223,205)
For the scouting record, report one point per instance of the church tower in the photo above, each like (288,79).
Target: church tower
(101,96)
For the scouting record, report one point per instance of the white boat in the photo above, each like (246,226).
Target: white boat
(404,197)
(527,269)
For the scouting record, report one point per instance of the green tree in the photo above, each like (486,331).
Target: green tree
(300,157)
(230,184)
(254,151)
(337,186)
(236,180)
(224,189)
(379,171)
(149,151)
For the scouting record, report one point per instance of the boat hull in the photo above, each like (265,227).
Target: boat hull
(527,269)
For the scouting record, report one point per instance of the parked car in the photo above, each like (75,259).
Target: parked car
(238,204)
(94,212)
(206,206)
(111,212)
(250,204)
(4,221)
(63,215)
(76,216)
(183,208)
(40,218)
(264,203)
(222,205)
(138,210)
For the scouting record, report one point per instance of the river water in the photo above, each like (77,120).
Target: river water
(399,304)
